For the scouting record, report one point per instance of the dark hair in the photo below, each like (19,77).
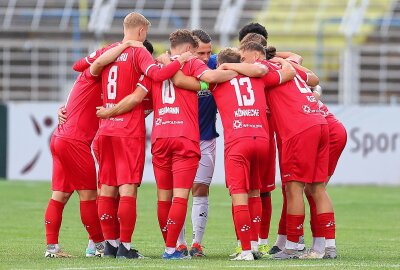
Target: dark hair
(255,38)
(228,55)
(253,28)
(270,52)
(147,44)
(182,36)
(252,46)
(202,35)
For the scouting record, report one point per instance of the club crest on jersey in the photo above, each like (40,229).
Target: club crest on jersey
(237,124)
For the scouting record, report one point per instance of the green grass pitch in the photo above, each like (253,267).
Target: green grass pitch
(367,217)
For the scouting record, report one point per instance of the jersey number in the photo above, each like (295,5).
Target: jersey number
(301,85)
(112,83)
(243,100)
(168,92)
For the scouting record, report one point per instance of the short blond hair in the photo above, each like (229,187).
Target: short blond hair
(255,38)
(135,19)
(228,55)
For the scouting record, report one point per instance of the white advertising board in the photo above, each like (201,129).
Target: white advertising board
(372,154)
(30,126)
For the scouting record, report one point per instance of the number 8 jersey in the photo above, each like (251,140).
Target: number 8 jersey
(119,79)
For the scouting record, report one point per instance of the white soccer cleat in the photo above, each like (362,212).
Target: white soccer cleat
(312,255)
(241,257)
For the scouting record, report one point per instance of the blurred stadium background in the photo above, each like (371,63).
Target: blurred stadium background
(352,45)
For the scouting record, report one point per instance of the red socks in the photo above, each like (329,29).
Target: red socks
(255,210)
(327,222)
(163,208)
(108,217)
(91,221)
(127,218)
(52,219)
(265,216)
(294,227)
(282,221)
(316,229)
(176,219)
(241,217)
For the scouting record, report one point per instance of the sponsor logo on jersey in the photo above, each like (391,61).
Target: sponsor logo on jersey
(204,93)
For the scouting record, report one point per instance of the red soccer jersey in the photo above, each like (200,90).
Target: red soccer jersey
(82,122)
(242,105)
(292,105)
(119,79)
(176,109)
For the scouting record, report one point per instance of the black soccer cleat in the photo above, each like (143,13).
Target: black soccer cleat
(110,251)
(274,250)
(124,253)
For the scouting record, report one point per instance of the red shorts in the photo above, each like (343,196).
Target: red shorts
(337,142)
(245,163)
(268,181)
(305,156)
(175,162)
(73,165)
(121,160)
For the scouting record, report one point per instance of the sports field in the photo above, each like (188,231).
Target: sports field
(367,218)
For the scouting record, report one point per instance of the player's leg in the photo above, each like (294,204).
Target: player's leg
(297,168)
(185,160)
(127,220)
(238,157)
(62,190)
(107,211)
(200,193)
(129,169)
(323,205)
(91,221)
(337,143)
(53,219)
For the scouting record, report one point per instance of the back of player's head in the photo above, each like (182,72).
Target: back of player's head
(201,35)
(253,28)
(270,52)
(255,38)
(183,36)
(252,46)
(134,19)
(147,44)
(228,55)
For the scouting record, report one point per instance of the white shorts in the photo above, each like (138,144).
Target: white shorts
(207,162)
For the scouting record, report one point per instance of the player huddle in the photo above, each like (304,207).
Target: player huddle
(266,101)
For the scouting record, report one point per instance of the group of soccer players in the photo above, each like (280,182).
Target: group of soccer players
(260,95)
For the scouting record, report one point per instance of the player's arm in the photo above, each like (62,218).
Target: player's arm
(217,76)
(250,70)
(290,56)
(311,79)
(188,82)
(149,67)
(287,72)
(107,57)
(125,105)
